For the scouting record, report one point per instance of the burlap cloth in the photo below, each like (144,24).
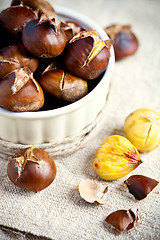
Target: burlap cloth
(58,212)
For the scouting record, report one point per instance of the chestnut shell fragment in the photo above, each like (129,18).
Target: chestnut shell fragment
(140,186)
(123,220)
(32,169)
(14,18)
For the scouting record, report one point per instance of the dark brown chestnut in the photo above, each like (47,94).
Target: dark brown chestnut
(123,220)
(125,41)
(20,92)
(32,169)
(62,84)
(7,38)
(40,5)
(140,186)
(16,56)
(71,28)
(14,18)
(86,55)
(44,37)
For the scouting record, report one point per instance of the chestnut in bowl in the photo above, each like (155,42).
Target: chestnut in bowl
(86,55)
(20,92)
(14,24)
(40,5)
(63,85)
(32,169)
(44,37)
(15,56)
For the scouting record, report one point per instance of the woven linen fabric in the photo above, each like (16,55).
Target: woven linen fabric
(58,212)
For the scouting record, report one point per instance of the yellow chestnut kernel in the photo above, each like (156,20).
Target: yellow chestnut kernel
(142,128)
(115,158)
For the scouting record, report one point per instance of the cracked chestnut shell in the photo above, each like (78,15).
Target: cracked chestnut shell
(86,55)
(140,186)
(15,56)
(125,41)
(40,5)
(63,85)
(14,18)
(44,37)
(32,169)
(19,91)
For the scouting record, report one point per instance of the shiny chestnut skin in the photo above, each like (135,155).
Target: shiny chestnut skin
(86,55)
(63,85)
(125,41)
(32,169)
(14,18)
(53,39)
(19,91)
(71,28)
(140,186)
(40,5)
(16,56)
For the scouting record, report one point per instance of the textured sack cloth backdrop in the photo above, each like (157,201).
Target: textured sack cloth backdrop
(58,212)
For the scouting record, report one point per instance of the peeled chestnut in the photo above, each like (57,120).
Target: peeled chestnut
(14,18)
(125,41)
(15,56)
(32,169)
(86,55)
(44,37)
(63,85)
(40,5)
(71,29)
(20,92)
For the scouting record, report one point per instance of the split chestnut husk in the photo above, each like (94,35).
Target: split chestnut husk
(44,37)
(32,169)
(14,18)
(39,5)
(19,91)
(15,56)
(125,41)
(71,28)
(86,55)
(63,85)
(140,186)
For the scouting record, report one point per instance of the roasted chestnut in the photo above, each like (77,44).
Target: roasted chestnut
(44,37)
(86,55)
(32,169)
(71,29)
(63,85)
(14,18)
(20,92)
(14,57)
(41,5)
(125,41)
(7,38)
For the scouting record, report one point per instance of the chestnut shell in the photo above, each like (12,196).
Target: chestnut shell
(76,54)
(42,40)
(14,18)
(33,175)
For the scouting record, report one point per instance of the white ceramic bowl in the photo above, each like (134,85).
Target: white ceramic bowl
(68,121)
